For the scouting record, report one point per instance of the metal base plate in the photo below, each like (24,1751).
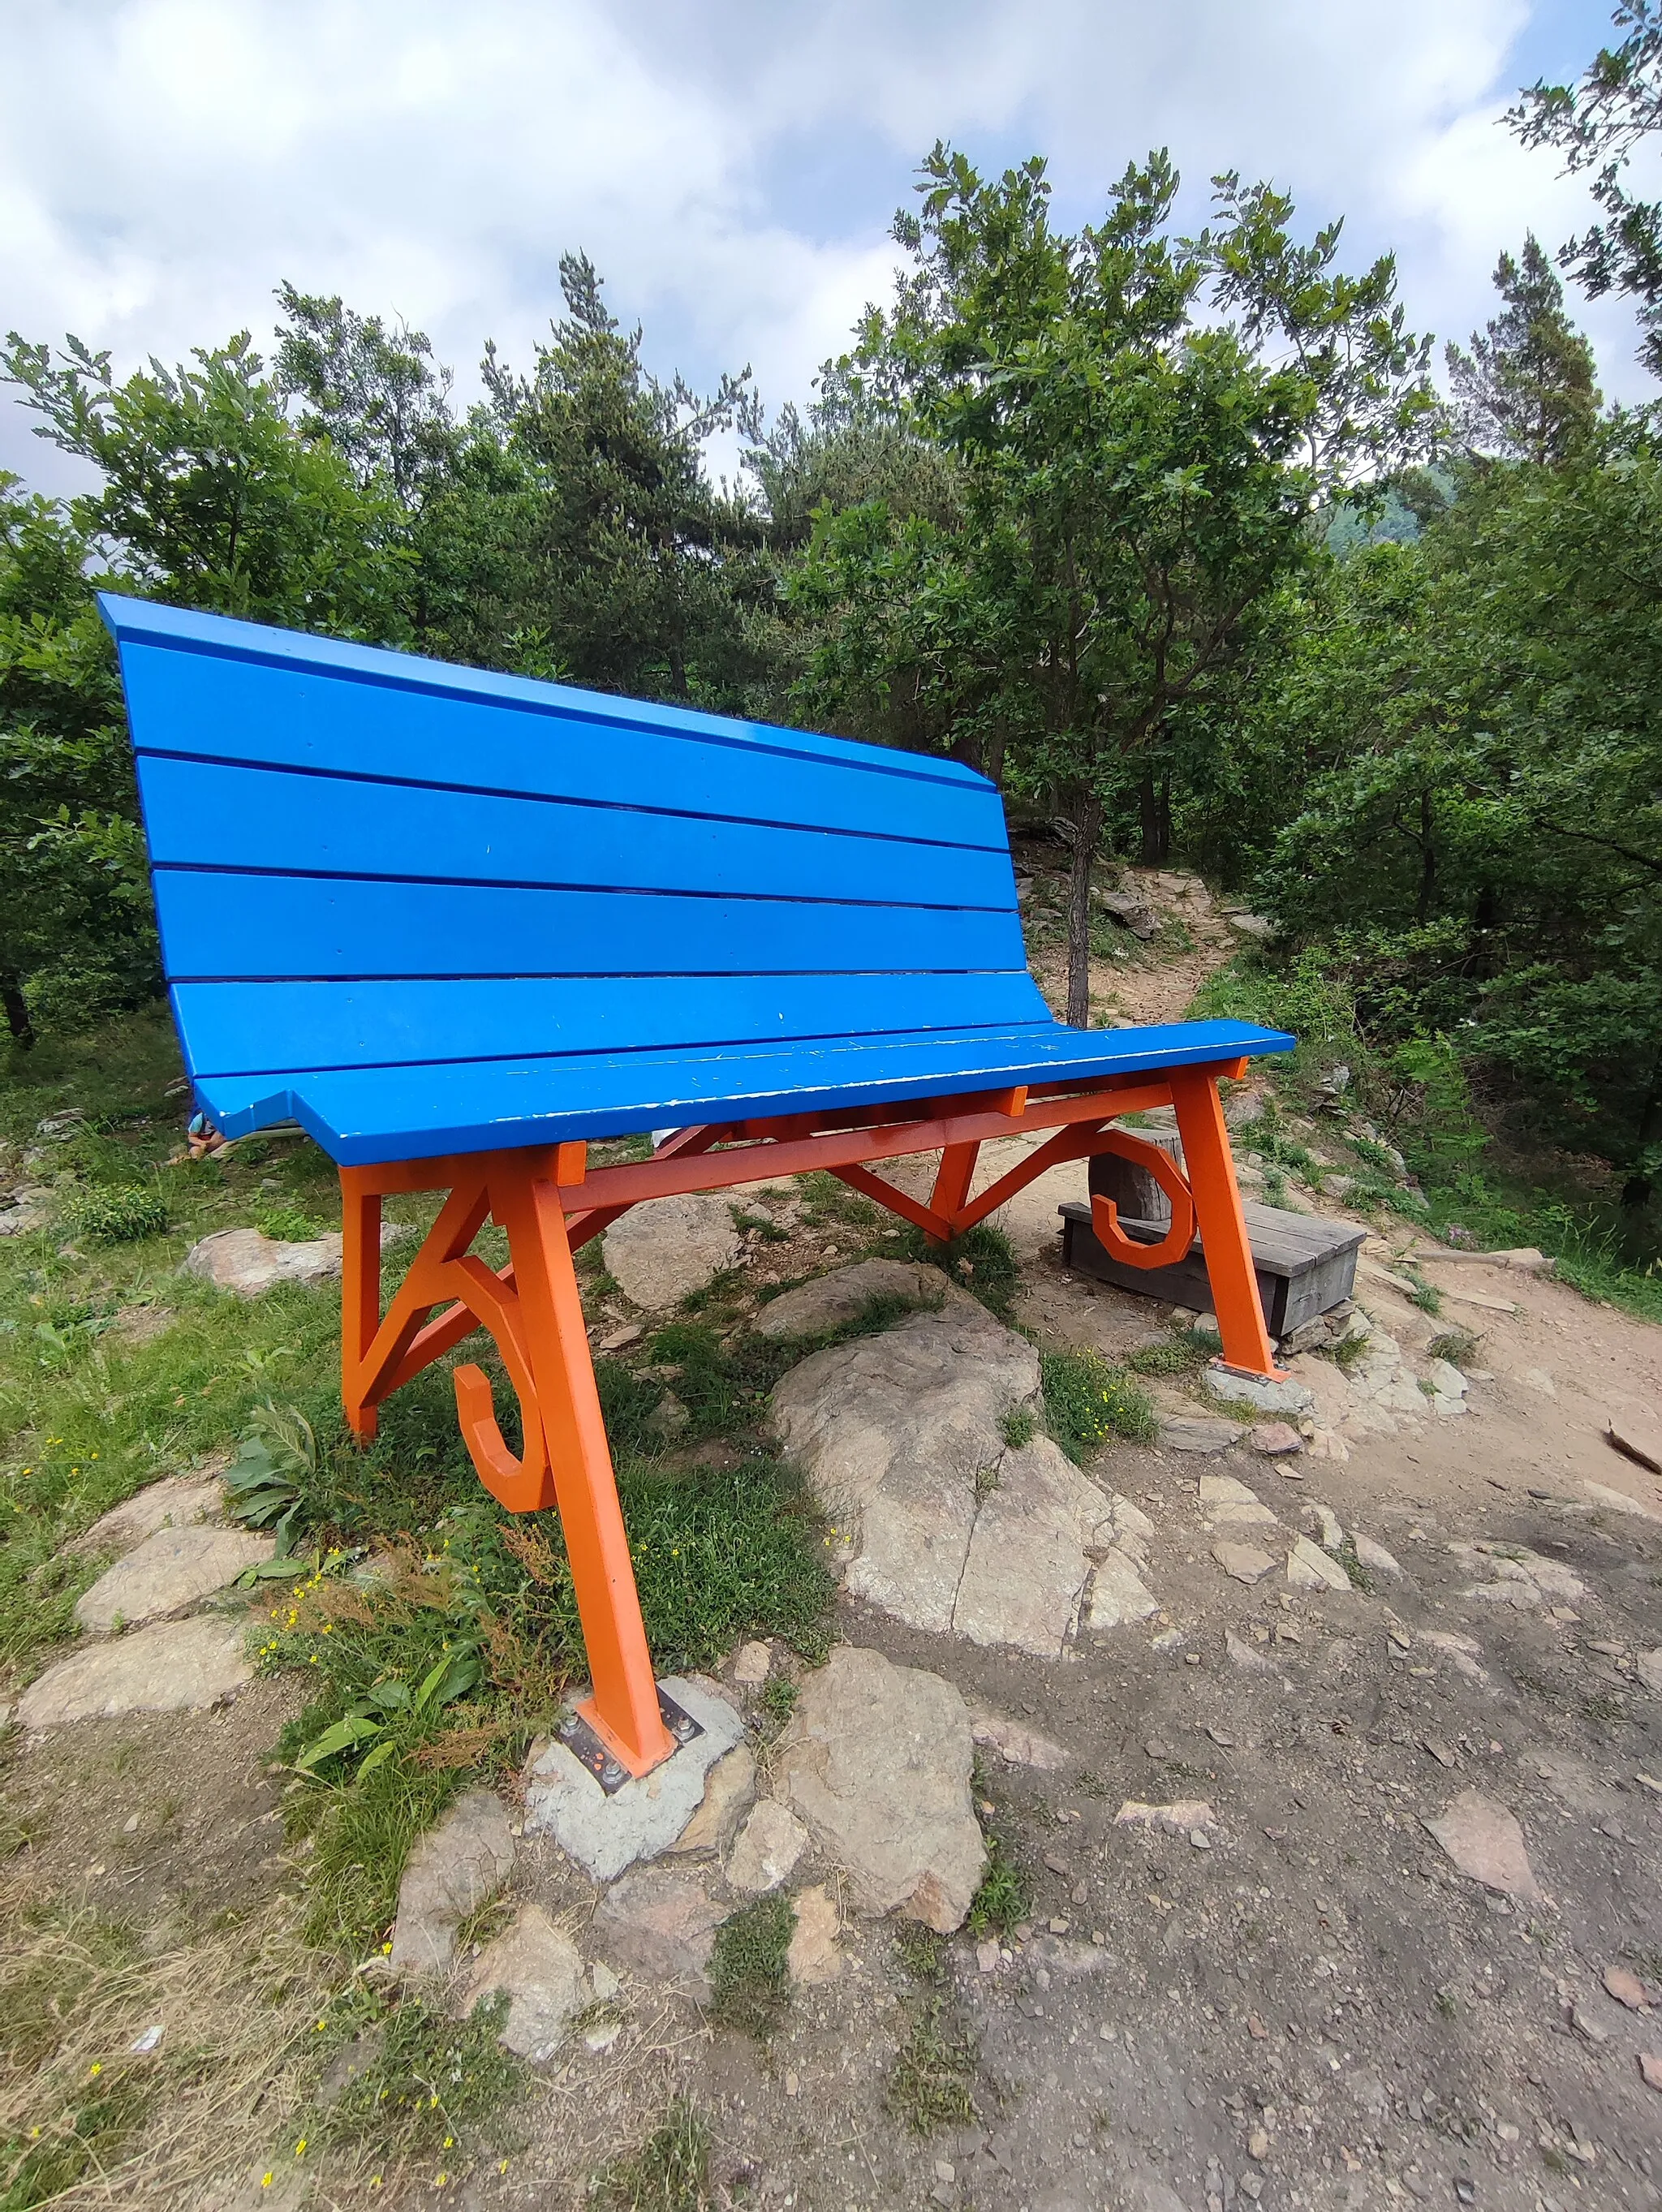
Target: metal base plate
(588,1749)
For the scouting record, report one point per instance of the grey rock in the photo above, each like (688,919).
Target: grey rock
(1308,1567)
(668,1417)
(1648,1665)
(537,1966)
(939,1522)
(728,1789)
(1179,1432)
(812,1309)
(661,1252)
(451,1872)
(766,1849)
(875,1760)
(1256,1390)
(752,1665)
(1025,1566)
(245,1262)
(659,1922)
(177,1501)
(1486,1842)
(1118,1597)
(1239,1653)
(814,1955)
(1243,1563)
(168,1572)
(1132,910)
(1016,1744)
(177,1666)
(605,1834)
(1375,1557)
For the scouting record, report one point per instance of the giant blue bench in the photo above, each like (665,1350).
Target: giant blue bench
(460,926)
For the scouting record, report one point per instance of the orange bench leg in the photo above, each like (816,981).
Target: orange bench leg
(623,1710)
(1222,1224)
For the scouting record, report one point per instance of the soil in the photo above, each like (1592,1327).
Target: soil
(1309,2007)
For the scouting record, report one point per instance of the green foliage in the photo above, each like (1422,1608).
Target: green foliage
(750,1989)
(670,2171)
(276,1463)
(982,1262)
(122,1215)
(931,2082)
(286,1225)
(1019,1426)
(426,2084)
(1087,1401)
(1185,1352)
(1004,1898)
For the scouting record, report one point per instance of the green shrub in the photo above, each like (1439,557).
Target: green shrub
(1087,1401)
(117,1215)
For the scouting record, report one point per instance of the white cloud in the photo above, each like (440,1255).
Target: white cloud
(730,171)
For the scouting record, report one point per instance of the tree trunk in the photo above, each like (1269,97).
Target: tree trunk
(17,1011)
(1636,1190)
(1149,815)
(1087,828)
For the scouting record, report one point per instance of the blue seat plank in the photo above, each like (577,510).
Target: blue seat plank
(303,720)
(260,928)
(414,1023)
(366,1115)
(426,909)
(202,815)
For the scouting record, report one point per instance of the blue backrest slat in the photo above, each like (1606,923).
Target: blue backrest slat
(201,815)
(409,1024)
(256,928)
(293,718)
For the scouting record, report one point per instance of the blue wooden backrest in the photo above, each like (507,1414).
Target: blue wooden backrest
(364,859)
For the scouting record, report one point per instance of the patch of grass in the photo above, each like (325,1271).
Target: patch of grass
(778,1699)
(1087,1401)
(431,2083)
(670,2171)
(828,1203)
(1346,1555)
(1185,1353)
(750,1989)
(922,1952)
(931,2081)
(1005,1897)
(982,1262)
(1019,1426)
(362,1832)
(759,1224)
(1456,1345)
(122,1215)
(286,1225)
(1426,1296)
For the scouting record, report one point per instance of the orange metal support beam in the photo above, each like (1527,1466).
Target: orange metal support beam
(551,1201)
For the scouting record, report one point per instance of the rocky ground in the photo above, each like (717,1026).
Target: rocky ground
(1268,1813)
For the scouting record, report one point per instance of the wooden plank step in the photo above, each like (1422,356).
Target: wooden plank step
(1304,1266)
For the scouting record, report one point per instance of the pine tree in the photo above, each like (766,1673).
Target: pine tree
(1526,391)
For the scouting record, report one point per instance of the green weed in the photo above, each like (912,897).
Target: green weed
(286,1225)
(1005,1897)
(750,1989)
(1019,1426)
(429,2082)
(931,2081)
(1087,1401)
(922,1952)
(123,1215)
(670,2171)
(1185,1353)
(982,1262)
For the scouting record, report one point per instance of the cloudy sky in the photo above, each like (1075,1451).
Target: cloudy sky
(731,168)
